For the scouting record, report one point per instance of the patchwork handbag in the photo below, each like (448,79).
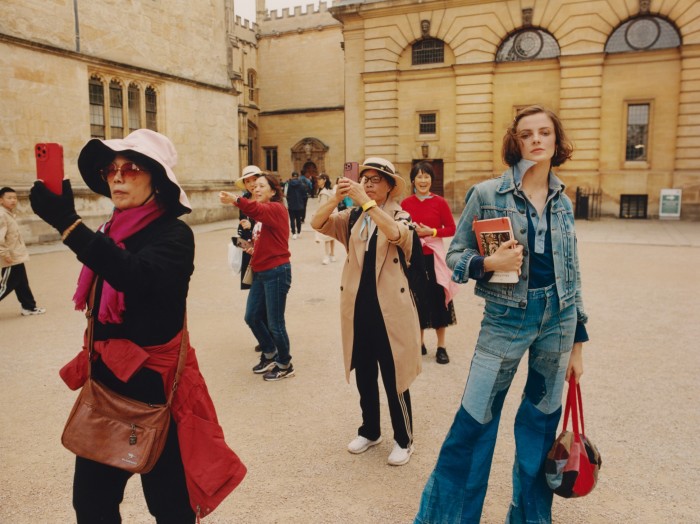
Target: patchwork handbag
(572,464)
(112,429)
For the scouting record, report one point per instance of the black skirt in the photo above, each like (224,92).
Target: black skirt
(432,312)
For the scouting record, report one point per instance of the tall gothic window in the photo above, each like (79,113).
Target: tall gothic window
(428,51)
(643,33)
(528,44)
(134,107)
(97,108)
(271,159)
(151,109)
(116,117)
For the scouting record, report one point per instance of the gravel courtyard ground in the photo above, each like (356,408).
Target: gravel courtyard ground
(640,388)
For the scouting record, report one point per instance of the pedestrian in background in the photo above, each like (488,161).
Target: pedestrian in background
(542,314)
(433,221)
(245,224)
(379,322)
(296,202)
(272,275)
(325,193)
(309,191)
(13,255)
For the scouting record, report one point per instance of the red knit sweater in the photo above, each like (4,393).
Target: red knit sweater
(432,212)
(271,248)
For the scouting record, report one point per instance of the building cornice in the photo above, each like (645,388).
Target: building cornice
(103,62)
(294,111)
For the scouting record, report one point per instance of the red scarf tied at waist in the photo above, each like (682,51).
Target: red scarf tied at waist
(212,469)
(121,226)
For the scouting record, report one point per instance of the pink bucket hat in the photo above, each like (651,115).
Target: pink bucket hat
(150,148)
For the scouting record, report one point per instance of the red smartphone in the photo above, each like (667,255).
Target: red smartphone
(49,165)
(351,170)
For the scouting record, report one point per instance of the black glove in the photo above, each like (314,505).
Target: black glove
(56,210)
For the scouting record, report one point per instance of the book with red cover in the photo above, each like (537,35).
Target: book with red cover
(490,234)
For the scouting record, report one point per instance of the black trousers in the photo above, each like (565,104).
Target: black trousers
(371,353)
(295,219)
(98,490)
(14,278)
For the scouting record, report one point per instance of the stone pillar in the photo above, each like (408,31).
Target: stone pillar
(474,140)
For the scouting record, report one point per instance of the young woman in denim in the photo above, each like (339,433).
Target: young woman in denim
(272,275)
(542,314)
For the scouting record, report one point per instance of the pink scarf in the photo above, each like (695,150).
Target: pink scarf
(443,275)
(121,226)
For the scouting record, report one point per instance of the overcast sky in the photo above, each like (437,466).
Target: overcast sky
(246,8)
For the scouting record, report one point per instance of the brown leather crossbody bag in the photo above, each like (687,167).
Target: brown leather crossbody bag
(112,429)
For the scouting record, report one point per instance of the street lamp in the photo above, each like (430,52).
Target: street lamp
(425,149)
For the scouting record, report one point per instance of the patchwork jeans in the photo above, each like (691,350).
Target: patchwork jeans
(456,488)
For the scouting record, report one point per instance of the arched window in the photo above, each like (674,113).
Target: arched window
(151,109)
(643,33)
(134,107)
(116,103)
(428,51)
(528,44)
(97,108)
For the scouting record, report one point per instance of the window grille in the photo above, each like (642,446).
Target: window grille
(637,132)
(116,118)
(427,124)
(271,159)
(151,109)
(528,44)
(428,51)
(134,107)
(643,33)
(97,108)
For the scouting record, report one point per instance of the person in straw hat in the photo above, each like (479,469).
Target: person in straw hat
(140,263)
(379,322)
(245,224)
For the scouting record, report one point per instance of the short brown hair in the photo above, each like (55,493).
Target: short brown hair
(511,147)
(275,186)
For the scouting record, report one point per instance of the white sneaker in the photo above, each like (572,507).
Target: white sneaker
(400,456)
(361,444)
(326,261)
(35,311)
(294,236)
(332,259)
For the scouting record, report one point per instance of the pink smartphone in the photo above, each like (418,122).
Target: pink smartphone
(351,170)
(49,165)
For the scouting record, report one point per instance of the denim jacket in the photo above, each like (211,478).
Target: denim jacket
(500,197)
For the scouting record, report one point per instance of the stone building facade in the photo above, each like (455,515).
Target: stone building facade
(73,69)
(442,80)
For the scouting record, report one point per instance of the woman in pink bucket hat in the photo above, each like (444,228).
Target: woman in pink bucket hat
(140,263)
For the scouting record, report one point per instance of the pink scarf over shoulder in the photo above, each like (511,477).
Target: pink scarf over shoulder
(121,226)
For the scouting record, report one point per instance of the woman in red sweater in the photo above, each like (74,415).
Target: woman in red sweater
(272,275)
(433,221)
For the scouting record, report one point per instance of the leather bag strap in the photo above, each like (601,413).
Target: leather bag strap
(184,340)
(574,405)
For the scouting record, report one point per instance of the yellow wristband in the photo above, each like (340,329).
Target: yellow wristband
(369,205)
(70,229)
(434,232)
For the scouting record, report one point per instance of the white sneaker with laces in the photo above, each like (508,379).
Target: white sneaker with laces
(294,236)
(361,444)
(35,311)
(326,261)
(400,456)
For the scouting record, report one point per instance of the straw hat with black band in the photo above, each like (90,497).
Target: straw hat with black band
(152,151)
(386,168)
(248,171)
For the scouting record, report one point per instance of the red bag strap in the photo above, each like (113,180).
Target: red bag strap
(574,405)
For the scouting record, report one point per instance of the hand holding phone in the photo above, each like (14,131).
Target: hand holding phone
(49,165)
(351,170)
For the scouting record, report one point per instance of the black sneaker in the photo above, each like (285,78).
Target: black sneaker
(441,356)
(265,364)
(277,373)
(258,348)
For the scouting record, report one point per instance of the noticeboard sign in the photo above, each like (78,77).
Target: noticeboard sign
(670,204)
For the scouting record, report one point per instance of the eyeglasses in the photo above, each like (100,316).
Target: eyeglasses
(127,170)
(374,179)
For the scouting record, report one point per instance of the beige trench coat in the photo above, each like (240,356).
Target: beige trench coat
(395,300)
